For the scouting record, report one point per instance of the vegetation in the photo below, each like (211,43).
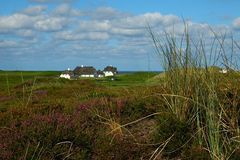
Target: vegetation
(45,117)
(198,95)
(190,111)
(9,79)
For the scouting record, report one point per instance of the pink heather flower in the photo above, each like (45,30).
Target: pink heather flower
(82,107)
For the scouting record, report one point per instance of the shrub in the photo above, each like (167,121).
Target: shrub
(47,131)
(180,131)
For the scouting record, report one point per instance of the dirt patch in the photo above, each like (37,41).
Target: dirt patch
(25,84)
(38,94)
(5,98)
(143,130)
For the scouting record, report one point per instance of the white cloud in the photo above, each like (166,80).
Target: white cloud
(106,13)
(236,23)
(141,21)
(49,1)
(104,25)
(39,22)
(34,10)
(15,21)
(73,36)
(127,32)
(67,10)
(62,9)
(50,23)
(127,25)
(103,32)
(25,33)
(17,45)
(40,1)
(8,43)
(194,29)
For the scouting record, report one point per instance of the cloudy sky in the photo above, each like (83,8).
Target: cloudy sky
(57,34)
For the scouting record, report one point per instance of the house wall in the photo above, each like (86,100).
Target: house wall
(99,76)
(223,71)
(108,73)
(67,76)
(87,75)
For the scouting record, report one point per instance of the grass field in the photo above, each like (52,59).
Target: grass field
(37,98)
(9,79)
(131,79)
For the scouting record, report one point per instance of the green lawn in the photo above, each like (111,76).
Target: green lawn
(130,79)
(9,79)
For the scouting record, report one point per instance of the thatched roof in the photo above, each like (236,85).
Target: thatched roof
(68,72)
(110,68)
(100,72)
(84,70)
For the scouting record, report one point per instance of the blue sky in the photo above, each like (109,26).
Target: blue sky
(57,34)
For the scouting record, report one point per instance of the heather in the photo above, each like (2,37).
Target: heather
(51,118)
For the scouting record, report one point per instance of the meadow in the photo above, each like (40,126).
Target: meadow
(190,111)
(43,116)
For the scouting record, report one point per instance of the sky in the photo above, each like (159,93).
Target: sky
(60,34)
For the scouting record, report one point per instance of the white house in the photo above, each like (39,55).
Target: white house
(68,74)
(99,74)
(110,71)
(85,71)
(87,75)
(223,71)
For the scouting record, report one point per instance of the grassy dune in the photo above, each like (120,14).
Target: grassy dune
(190,111)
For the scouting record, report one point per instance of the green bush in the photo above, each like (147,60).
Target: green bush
(169,126)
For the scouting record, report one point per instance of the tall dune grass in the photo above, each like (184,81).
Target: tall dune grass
(197,92)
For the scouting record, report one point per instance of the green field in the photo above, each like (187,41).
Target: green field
(9,79)
(130,79)
(13,78)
